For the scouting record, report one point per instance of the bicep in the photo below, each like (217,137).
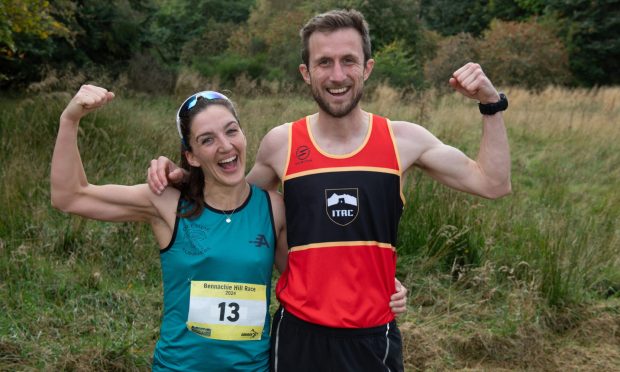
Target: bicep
(263,176)
(270,158)
(449,166)
(115,203)
(446,164)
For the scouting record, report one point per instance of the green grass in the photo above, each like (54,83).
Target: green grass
(530,281)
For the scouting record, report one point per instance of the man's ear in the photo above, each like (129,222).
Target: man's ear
(191,159)
(368,68)
(303,69)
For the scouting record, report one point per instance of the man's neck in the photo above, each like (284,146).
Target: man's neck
(340,136)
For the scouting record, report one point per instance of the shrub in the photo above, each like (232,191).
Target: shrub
(230,66)
(525,54)
(146,74)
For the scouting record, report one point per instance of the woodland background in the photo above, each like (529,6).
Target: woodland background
(146,44)
(530,282)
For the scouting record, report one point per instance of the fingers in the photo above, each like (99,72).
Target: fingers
(92,97)
(87,99)
(471,81)
(466,79)
(176,176)
(398,300)
(398,307)
(156,175)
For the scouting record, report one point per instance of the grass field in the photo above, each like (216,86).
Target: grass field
(527,282)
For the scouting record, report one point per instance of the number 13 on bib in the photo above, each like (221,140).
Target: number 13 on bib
(227,310)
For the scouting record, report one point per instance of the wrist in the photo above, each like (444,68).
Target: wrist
(493,98)
(494,107)
(69,117)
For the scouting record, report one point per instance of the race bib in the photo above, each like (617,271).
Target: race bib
(227,310)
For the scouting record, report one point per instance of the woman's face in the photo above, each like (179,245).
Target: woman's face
(218,146)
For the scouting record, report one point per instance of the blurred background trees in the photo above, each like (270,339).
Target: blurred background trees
(147,45)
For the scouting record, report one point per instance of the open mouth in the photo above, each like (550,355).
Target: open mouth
(228,163)
(338,91)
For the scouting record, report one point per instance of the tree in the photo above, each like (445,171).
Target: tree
(591,30)
(27,17)
(450,17)
(27,31)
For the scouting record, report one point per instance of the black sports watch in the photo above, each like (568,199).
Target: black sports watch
(493,108)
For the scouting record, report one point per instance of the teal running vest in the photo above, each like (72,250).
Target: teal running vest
(217,284)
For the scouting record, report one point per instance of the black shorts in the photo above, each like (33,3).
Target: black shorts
(298,346)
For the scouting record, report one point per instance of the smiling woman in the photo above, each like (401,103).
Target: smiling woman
(213,152)
(212,234)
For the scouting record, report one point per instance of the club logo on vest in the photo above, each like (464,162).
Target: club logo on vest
(260,241)
(341,205)
(302,153)
(196,238)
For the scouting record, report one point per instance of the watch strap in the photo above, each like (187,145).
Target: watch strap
(495,107)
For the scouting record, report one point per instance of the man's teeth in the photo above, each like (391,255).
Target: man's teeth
(338,91)
(229,160)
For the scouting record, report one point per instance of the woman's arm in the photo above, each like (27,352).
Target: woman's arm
(70,190)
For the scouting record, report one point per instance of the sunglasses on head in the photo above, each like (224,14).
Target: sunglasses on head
(190,102)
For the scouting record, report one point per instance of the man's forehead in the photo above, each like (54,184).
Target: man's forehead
(345,40)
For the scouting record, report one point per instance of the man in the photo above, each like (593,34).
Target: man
(341,174)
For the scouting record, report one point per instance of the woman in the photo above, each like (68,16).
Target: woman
(217,235)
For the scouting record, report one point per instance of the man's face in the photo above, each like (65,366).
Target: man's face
(336,71)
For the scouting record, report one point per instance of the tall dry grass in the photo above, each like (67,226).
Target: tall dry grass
(500,284)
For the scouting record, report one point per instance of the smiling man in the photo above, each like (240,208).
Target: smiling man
(342,255)
(341,173)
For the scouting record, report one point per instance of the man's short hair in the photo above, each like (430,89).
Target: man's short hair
(332,21)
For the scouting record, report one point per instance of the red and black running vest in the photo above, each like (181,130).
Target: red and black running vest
(342,214)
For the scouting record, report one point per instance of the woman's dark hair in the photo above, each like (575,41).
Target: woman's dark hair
(192,192)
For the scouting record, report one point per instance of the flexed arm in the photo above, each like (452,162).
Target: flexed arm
(70,190)
(489,174)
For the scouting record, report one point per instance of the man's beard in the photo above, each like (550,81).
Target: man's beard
(344,111)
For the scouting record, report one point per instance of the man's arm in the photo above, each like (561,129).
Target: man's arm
(163,172)
(487,176)
(270,159)
(279,219)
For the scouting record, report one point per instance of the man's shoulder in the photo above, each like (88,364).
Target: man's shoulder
(279,129)
(406,127)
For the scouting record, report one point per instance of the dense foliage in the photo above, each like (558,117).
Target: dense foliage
(146,43)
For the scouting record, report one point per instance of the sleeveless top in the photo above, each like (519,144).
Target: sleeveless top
(342,214)
(217,284)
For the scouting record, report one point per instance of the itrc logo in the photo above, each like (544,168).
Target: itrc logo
(341,205)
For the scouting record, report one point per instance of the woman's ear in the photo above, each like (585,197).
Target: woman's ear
(191,159)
